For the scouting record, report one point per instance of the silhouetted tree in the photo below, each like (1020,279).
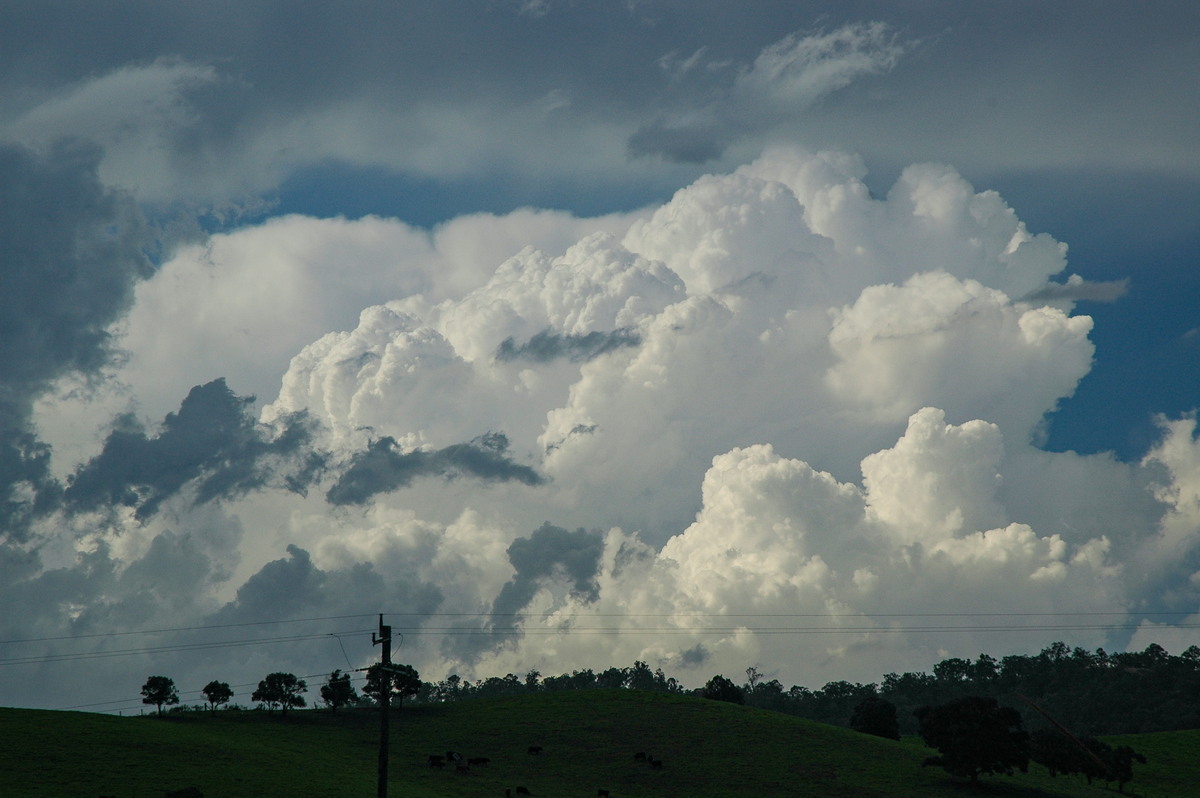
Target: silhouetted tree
(611,678)
(280,690)
(217,693)
(721,689)
(159,690)
(404,681)
(974,735)
(1120,765)
(337,690)
(1056,752)
(877,716)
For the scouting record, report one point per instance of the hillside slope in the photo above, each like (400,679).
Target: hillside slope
(588,742)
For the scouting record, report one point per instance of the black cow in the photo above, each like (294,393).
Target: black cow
(523,791)
(535,749)
(655,764)
(478,760)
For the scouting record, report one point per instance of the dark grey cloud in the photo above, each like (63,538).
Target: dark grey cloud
(694,657)
(1078,290)
(100,606)
(694,144)
(550,552)
(294,587)
(383,468)
(549,345)
(71,252)
(213,443)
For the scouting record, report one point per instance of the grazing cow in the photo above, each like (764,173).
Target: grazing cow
(523,791)
(478,760)
(656,764)
(601,793)
(640,756)
(535,749)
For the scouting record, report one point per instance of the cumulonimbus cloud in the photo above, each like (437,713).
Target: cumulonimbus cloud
(830,411)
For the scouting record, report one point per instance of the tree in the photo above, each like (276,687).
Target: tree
(974,735)
(1120,765)
(877,716)
(721,689)
(337,690)
(217,693)
(159,690)
(280,690)
(404,681)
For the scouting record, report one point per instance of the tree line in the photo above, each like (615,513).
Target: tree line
(1091,692)
(284,691)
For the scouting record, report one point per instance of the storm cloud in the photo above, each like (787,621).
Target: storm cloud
(548,345)
(71,252)
(548,553)
(212,442)
(384,468)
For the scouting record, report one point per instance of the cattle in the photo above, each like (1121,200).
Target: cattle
(601,793)
(655,764)
(523,791)
(478,760)
(535,749)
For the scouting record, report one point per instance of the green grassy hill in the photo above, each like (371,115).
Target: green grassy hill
(588,738)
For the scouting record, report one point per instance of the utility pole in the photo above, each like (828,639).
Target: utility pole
(385,700)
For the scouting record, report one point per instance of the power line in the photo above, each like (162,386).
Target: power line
(682,630)
(181,629)
(486,615)
(167,649)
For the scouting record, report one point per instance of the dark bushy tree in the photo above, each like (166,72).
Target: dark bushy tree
(403,680)
(721,689)
(1056,752)
(877,716)
(974,736)
(337,691)
(280,690)
(217,693)
(159,690)
(1119,762)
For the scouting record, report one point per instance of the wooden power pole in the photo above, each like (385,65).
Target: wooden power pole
(385,700)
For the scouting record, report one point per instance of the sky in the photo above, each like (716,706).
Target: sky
(831,339)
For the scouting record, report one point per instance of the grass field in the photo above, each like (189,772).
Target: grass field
(588,739)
